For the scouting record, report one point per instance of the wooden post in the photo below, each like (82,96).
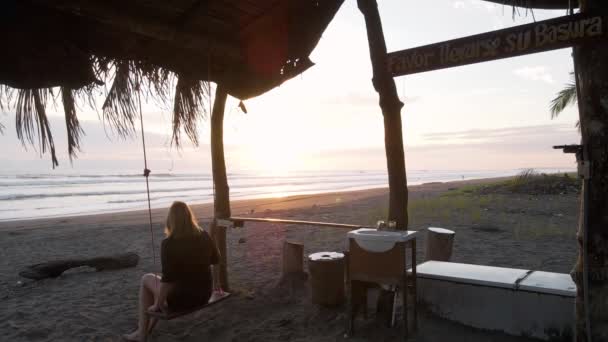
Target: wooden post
(592,69)
(439,243)
(221,201)
(293,276)
(219,236)
(293,258)
(391,106)
(391,110)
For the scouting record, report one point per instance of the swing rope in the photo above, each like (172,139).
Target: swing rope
(147,175)
(214,298)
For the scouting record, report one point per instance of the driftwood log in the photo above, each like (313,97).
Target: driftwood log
(439,244)
(54,269)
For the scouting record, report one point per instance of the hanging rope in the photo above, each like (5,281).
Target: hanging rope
(147,175)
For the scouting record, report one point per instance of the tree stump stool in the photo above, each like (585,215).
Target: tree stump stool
(293,276)
(439,243)
(327,278)
(293,258)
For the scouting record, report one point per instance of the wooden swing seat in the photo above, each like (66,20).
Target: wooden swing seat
(216,297)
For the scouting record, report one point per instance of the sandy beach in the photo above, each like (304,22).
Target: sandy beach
(535,231)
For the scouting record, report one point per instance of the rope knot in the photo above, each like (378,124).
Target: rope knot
(147,173)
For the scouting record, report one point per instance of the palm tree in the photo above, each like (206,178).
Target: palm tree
(564,98)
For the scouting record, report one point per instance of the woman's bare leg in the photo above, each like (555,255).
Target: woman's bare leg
(152,324)
(148,291)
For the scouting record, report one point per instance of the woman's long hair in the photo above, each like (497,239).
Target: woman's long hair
(181,221)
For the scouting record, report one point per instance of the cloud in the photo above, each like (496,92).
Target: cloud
(477,149)
(99,145)
(363,99)
(536,73)
(500,148)
(458,4)
(353,99)
(499,133)
(474,4)
(520,137)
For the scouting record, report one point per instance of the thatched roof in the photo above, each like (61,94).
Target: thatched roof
(167,49)
(540,4)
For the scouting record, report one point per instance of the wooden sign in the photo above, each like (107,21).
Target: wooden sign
(515,41)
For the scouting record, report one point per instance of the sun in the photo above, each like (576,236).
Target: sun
(278,160)
(273,158)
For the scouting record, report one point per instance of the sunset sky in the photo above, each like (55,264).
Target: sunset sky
(493,115)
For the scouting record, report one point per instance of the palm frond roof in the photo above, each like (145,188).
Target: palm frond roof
(64,49)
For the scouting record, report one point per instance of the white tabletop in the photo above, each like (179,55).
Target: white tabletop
(383,235)
(551,283)
(373,240)
(471,274)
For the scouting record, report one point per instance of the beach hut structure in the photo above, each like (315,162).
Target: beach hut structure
(590,272)
(65,49)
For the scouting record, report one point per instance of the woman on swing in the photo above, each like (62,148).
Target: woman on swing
(186,256)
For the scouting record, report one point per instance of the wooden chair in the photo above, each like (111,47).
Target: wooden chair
(382,268)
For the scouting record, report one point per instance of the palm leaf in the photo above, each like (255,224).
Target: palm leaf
(563,99)
(188,97)
(3,97)
(188,107)
(32,121)
(157,83)
(119,108)
(74,131)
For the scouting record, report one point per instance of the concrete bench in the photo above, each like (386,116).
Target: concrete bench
(515,301)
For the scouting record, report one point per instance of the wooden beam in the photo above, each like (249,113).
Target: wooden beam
(520,40)
(391,110)
(309,223)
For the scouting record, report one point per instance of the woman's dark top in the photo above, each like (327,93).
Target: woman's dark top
(185,262)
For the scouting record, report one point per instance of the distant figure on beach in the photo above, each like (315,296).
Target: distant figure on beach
(186,256)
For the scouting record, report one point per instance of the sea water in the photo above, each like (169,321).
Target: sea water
(26,196)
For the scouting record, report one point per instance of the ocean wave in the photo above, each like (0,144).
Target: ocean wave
(157,198)
(264,188)
(18,197)
(278,184)
(107,180)
(33,182)
(127,201)
(56,181)
(118,175)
